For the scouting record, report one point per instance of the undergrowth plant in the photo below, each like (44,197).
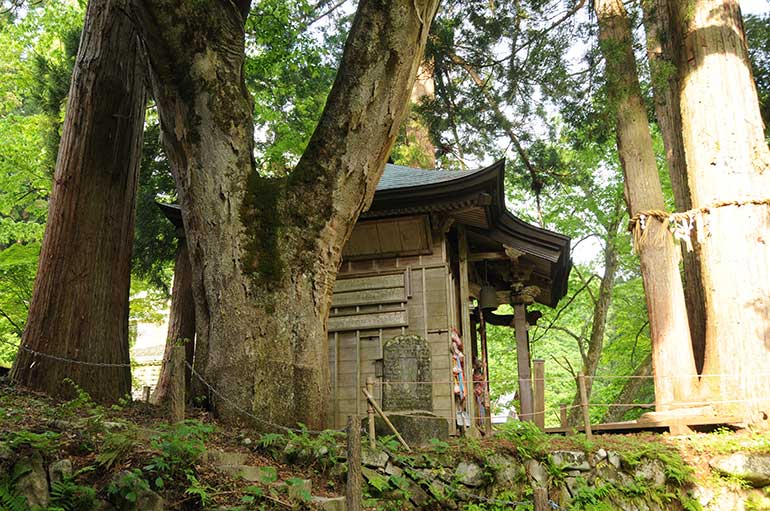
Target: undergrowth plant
(117,445)
(125,490)
(324,450)
(10,500)
(67,495)
(45,441)
(529,440)
(179,447)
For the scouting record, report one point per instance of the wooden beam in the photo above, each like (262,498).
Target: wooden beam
(488,256)
(523,359)
(465,322)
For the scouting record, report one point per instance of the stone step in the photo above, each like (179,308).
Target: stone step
(252,474)
(329,503)
(225,458)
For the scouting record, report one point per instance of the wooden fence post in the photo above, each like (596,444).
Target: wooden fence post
(538,366)
(353,488)
(176,397)
(370,412)
(386,420)
(563,415)
(146,393)
(541,499)
(584,404)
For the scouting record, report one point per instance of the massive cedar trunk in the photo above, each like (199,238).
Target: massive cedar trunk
(265,251)
(665,84)
(79,307)
(727,160)
(599,318)
(181,325)
(672,355)
(417,133)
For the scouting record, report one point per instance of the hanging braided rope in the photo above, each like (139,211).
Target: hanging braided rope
(681,224)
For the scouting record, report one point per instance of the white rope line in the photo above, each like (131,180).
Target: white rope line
(572,378)
(427,382)
(193,371)
(247,413)
(62,359)
(243,411)
(80,362)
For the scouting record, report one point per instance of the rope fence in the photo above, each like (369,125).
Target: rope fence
(246,413)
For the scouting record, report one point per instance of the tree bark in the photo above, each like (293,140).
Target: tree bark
(661,45)
(265,251)
(673,362)
(181,325)
(727,159)
(79,308)
(599,318)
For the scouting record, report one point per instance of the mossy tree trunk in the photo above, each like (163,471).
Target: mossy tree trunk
(79,307)
(673,361)
(265,251)
(727,159)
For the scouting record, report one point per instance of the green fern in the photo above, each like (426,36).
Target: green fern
(70,496)
(9,499)
(116,446)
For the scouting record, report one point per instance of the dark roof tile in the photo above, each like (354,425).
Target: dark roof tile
(398,176)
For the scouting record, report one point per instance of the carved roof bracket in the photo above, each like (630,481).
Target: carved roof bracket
(521,294)
(441,222)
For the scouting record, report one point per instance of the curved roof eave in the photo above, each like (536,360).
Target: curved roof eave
(539,242)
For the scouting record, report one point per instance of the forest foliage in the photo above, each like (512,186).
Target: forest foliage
(520,80)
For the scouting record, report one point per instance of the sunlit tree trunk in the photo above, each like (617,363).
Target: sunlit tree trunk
(661,45)
(727,160)
(181,325)
(265,251)
(672,355)
(79,307)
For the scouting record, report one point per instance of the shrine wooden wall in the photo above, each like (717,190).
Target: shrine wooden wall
(379,297)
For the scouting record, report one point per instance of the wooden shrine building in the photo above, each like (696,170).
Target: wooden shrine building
(435,253)
(426,264)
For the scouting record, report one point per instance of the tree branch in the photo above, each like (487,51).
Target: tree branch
(563,308)
(19,330)
(537,183)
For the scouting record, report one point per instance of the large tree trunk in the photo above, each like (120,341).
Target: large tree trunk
(661,45)
(599,318)
(265,251)
(79,308)
(727,160)
(673,362)
(181,325)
